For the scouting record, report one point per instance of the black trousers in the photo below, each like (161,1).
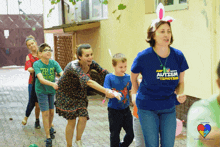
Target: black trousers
(120,119)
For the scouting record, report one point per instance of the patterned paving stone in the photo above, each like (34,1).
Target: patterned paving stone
(13,102)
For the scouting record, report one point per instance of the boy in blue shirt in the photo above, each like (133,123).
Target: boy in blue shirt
(119,113)
(45,87)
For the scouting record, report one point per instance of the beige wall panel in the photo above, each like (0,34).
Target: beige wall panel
(126,36)
(193,38)
(91,36)
(149,6)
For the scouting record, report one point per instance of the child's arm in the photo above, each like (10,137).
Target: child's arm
(58,69)
(61,73)
(46,82)
(30,69)
(213,138)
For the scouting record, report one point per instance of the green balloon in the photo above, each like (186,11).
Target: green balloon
(33,145)
(33,28)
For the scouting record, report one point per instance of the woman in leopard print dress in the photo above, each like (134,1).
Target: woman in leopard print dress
(71,96)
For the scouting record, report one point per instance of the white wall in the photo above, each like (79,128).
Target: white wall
(55,19)
(28,7)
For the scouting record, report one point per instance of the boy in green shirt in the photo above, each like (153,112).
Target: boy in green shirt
(203,122)
(45,87)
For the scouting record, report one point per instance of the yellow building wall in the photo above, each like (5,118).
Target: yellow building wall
(191,35)
(126,36)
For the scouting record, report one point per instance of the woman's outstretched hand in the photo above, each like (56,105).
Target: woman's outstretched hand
(117,95)
(112,94)
(109,93)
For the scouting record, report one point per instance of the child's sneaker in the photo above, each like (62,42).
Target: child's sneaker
(79,143)
(37,124)
(52,126)
(48,142)
(52,136)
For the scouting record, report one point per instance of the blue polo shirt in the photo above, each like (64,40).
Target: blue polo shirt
(156,91)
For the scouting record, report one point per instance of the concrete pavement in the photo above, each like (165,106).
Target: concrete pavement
(13,102)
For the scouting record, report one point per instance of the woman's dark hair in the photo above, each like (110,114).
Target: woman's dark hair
(218,69)
(79,49)
(151,32)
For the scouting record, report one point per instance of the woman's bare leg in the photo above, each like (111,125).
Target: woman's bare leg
(70,131)
(80,127)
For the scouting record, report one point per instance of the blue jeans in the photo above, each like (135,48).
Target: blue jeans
(157,122)
(45,101)
(31,102)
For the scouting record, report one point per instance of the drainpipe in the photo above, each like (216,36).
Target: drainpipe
(63,13)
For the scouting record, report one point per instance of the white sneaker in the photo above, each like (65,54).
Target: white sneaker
(79,143)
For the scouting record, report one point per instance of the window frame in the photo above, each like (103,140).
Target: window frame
(176,6)
(78,12)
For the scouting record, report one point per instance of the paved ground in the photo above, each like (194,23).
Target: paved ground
(13,101)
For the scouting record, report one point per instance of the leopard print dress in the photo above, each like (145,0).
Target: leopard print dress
(71,96)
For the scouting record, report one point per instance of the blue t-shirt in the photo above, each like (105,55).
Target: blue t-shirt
(156,91)
(121,84)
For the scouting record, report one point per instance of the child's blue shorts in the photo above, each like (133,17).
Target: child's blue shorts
(45,101)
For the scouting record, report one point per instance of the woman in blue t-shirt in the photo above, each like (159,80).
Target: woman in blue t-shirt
(162,68)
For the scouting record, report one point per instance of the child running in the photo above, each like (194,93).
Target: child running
(203,120)
(119,113)
(45,87)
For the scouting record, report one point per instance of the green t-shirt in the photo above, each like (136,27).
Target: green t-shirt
(202,112)
(48,72)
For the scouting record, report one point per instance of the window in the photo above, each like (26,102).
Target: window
(171,5)
(89,10)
